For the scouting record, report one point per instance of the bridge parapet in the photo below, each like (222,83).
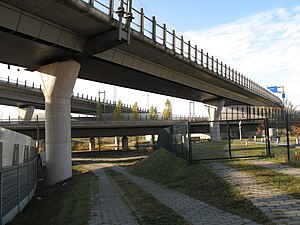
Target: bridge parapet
(145,26)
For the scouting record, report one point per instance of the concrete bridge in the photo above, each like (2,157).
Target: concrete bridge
(89,127)
(94,40)
(28,96)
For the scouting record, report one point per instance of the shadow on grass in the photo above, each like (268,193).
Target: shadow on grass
(199,181)
(64,203)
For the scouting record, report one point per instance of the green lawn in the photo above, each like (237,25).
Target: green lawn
(64,203)
(199,181)
(147,209)
(220,149)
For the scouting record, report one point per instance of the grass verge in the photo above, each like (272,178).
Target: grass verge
(198,181)
(147,209)
(61,204)
(288,183)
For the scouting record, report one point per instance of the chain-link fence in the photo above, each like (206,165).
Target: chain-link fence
(228,139)
(284,138)
(177,140)
(277,138)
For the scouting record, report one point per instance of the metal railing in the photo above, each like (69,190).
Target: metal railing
(106,118)
(80,96)
(149,27)
(20,83)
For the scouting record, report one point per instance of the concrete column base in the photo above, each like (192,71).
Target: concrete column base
(58,80)
(125,143)
(92,144)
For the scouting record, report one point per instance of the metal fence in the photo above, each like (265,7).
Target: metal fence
(284,138)
(226,139)
(217,139)
(17,183)
(177,140)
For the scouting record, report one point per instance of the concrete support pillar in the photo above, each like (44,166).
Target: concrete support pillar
(92,144)
(26,113)
(58,80)
(117,142)
(124,143)
(214,112)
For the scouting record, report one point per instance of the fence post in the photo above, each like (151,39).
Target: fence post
(190,146)
(196,51)
(182,45)
(142,21)
(189,50)
(173,40)
(229,139)
(267,137)
(154,29)
(207,61)
(164,35)
(111,8)
(202,57)
(222,69)
(91,2)
(287,135)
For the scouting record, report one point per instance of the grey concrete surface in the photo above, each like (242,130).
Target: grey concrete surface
(107,204)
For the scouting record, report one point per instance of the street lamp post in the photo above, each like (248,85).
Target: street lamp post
(191,109)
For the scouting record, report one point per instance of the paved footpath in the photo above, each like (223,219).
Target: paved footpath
(280,207)
(107,205)
(280,168)
(194,211)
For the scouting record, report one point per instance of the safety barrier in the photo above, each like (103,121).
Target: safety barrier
(18,175)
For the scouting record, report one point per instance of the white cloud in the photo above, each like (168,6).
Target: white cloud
(264,47)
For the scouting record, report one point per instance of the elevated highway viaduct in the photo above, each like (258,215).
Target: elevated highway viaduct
(66,39)
(26,96)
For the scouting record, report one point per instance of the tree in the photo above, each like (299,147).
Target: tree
(118,111)
(99,110)
(288,105)
(135,111)
(167,113)
(153,113)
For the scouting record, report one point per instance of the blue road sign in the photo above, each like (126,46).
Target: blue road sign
(283,95)
(274,89)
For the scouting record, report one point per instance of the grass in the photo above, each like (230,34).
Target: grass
(198,181)
(147,209)
(288,183)
(64,203)
(219,149)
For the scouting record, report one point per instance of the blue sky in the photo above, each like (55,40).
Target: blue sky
(259,38)
(204,14)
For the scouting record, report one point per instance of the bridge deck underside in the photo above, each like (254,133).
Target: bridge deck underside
(31,52)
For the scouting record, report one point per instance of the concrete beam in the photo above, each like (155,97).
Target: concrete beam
(58,80)
(103,42)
